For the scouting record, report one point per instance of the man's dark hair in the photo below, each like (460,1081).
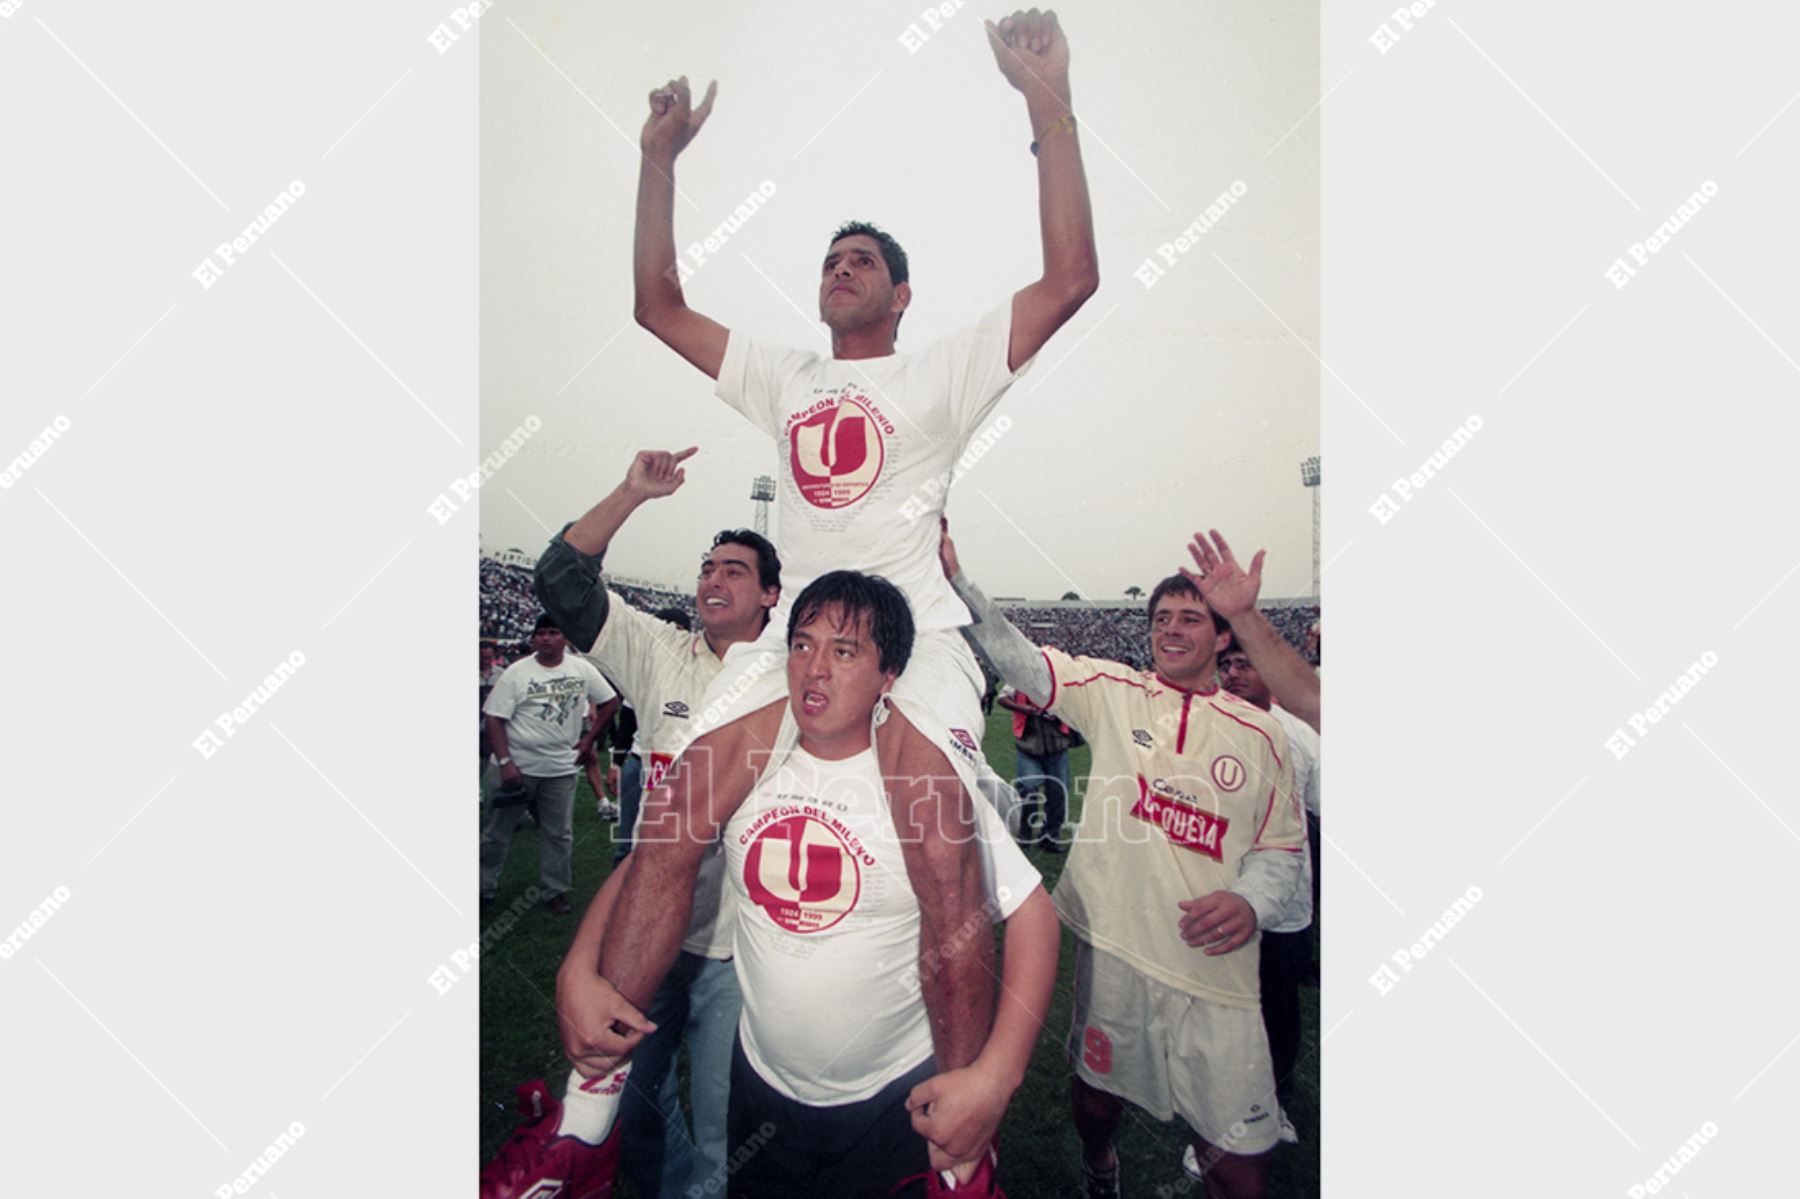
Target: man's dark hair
(675,616)
(1233,646)
(768,562)
(1180,584)
(891,253)
(854,594)
(546,621)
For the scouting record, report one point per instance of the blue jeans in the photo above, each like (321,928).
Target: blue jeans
(699,1001)
(631,797)
(1051,775)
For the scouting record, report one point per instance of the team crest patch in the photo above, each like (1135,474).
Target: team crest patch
(802,871)
(1228,772)
(1142,737)
(964,739)
(549,1188)
(837,453)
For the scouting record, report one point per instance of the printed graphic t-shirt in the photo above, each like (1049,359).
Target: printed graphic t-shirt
(828,928)
(543,707)
(867,450)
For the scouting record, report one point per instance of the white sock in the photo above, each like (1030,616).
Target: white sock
(591,1105)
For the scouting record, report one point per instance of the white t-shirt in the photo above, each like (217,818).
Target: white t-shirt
(543,707)
(1303,744)
(665,670)
(828,928)
(867,449)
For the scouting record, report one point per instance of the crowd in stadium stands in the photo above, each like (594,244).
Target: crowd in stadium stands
(1123,633)
(509,609)
(650,599)
(1120,634)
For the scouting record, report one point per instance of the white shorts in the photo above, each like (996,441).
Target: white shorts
(939,692)
(1172,1053)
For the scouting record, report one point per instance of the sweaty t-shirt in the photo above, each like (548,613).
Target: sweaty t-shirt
(868,448)
(828,928)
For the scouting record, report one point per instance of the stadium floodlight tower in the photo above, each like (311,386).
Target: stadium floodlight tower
(1309,476)
(762,490)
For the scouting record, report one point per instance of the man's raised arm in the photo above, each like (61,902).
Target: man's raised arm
(1231,594)
(567,578)
(659,305)
(1033,54)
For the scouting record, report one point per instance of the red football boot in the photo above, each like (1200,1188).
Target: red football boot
(537,1162)
(981,1185)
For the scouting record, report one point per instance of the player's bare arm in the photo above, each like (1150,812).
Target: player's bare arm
(1033,55)
(570,588)
(651,475)
(659,304)
(959,1111)
(1230,592)
(587,1006)
(509,770)
(681,817)
(935,819)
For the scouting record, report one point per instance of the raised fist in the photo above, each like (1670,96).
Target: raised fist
(1032,52)
(673,119)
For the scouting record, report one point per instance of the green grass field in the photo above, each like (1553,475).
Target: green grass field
(1039,1152)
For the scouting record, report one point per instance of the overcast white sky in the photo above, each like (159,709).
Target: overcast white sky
(1154,412)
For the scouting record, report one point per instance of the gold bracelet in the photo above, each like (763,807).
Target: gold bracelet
(1064,122)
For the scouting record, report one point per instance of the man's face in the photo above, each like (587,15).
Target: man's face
(1183,641)
(487,658)
(728,596)
(1237,676)
(855,289)
(547,643)
(834,682)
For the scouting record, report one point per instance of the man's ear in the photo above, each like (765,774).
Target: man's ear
(902,298)
(887,682)
(1220,642)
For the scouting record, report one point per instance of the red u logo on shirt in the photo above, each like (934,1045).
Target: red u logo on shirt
(801,873)
(836,455)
